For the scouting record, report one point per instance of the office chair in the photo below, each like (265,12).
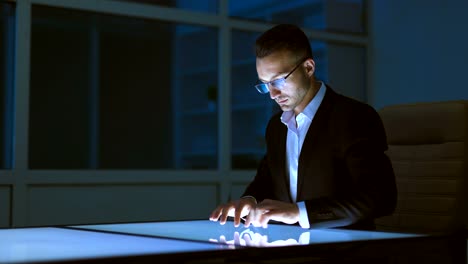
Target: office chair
(428,148)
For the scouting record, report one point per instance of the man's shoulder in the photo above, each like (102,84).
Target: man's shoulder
(344,105)
(346,101)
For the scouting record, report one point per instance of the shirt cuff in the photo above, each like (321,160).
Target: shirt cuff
(303,217)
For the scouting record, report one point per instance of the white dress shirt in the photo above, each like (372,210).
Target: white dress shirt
(297,131)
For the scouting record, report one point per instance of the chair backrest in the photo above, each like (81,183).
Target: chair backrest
(428,147)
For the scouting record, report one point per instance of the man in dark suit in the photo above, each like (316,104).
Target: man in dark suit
(325,164)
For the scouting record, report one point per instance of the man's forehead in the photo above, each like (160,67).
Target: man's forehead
(269,70)
(276,62)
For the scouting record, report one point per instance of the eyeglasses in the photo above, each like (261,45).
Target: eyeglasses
(277,83)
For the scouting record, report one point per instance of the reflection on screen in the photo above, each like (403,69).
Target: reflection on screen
(253,239)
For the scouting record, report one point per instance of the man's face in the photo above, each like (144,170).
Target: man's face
(292,95)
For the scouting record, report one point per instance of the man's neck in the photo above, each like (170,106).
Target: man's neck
(311,93)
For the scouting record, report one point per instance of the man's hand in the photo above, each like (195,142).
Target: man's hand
(236,209)
(267,210)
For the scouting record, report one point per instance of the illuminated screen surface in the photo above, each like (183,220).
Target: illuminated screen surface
(58,244)
(274,235)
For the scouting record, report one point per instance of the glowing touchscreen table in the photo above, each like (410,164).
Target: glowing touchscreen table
(50,244)
(202,241)
(286,243)
(274,235)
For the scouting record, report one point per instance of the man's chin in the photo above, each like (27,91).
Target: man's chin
(285,108)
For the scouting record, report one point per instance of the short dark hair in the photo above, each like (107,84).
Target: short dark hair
(283,37)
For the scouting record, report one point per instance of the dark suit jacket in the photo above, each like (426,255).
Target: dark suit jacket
(344,176)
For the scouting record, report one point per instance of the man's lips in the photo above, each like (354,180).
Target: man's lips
(282,101)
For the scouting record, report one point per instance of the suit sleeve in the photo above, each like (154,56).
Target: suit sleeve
(370,189)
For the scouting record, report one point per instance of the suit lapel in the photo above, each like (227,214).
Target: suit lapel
(313,136)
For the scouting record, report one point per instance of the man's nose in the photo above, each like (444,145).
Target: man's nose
(274,92)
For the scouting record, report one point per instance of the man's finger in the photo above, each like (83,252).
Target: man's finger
(237,213)
(248,219)
(224,214)
(264,218)
(215,214)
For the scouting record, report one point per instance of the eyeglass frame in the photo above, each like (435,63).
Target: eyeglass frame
(281,81)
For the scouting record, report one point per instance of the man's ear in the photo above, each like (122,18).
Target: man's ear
(310,67)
